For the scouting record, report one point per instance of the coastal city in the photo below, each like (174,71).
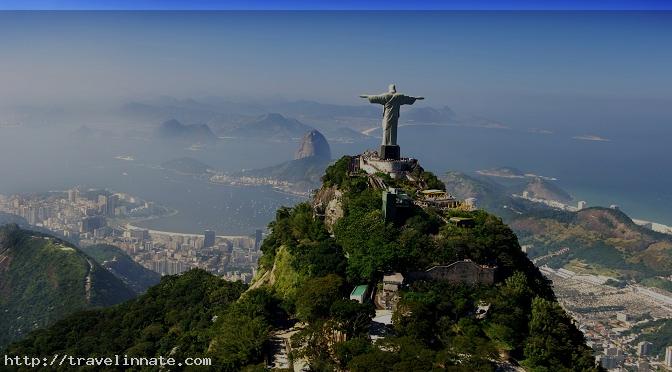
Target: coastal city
(94,216)
(278,185)
(613,319)
(613,315)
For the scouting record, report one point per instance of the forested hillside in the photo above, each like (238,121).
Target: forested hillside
(308,269)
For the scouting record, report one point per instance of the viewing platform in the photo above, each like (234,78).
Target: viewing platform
(371,163)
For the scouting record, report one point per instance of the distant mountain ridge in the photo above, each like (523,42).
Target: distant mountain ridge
(270,126)
(430,115)
(173,129)
(604,238)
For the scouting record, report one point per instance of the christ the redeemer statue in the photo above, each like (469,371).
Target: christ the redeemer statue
(391,101)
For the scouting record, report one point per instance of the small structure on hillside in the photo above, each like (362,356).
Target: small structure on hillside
(389,296)
(438,199)
(470,204)
(482,310)
(372,163)
(360,293)
(460,272)
(396,204)
(465,222)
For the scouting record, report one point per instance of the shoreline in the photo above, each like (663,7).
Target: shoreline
(161,232)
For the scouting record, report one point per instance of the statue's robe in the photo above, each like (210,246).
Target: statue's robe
(392,102)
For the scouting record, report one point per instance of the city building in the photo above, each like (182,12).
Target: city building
(643,366)
(73,195)
(111,205)
(581,205)
(257,239)
(208,238)
(462,222)
(90,223)
(438,199)
(610,361)
(644,348)
(528,249)
(622,317)
(389,296)
(668,356)
(470,203)
(102,204)
(396,203)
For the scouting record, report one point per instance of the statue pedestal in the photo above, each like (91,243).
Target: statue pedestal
(390,152)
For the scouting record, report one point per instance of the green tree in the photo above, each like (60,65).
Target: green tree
(315,297)
(351,317)
(370,242)
(345,351)
(554,344)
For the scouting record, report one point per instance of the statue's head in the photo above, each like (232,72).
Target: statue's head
(392,88)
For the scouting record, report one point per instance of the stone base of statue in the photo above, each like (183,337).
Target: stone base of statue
(390,152)
(372,163)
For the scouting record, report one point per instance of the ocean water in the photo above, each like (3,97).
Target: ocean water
(632,172)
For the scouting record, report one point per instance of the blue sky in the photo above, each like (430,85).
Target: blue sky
(448,56)
(336,4)
(604,73)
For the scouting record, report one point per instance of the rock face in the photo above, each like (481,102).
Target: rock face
(313,144)
(327,201)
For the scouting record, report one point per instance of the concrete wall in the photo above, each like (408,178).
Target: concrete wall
(465,271)
(371,166)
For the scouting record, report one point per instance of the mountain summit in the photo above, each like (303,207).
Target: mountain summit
(313,144)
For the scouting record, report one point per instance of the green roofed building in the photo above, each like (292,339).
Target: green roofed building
(360,293)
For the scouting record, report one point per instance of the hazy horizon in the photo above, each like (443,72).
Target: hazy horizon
(567,77)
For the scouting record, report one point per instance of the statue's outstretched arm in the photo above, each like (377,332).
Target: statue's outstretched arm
(380,99)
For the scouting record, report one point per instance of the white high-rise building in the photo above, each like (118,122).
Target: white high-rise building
(581,205)
(668,356)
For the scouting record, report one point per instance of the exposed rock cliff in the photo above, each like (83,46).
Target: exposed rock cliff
(313,144)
